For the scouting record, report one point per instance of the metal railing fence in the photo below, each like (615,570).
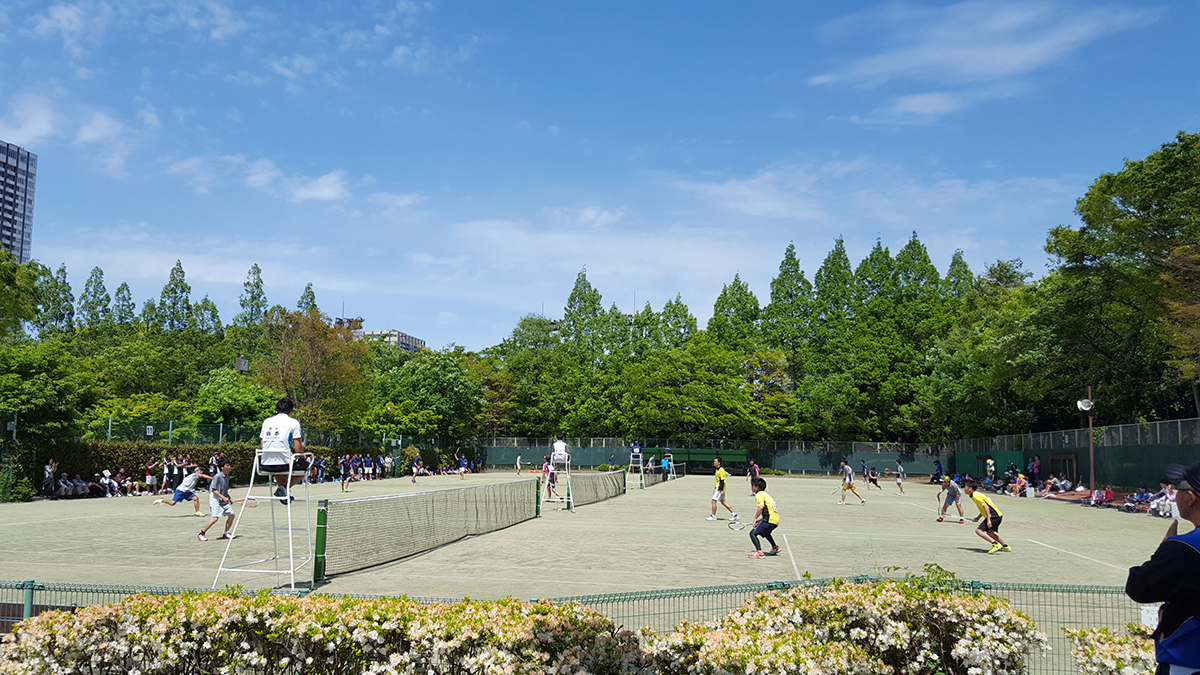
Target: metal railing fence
(1166,432)
(1053,607)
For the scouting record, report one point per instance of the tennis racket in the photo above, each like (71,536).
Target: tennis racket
(738,525)
(249,503)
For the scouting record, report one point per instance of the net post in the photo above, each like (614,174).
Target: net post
(537,497)
(319,550)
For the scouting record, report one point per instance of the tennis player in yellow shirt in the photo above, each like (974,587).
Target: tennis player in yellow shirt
(766,519)
(719,493)
(991,516)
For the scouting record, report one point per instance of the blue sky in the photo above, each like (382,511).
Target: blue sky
(445,168)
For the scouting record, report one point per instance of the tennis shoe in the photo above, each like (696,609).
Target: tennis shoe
(940,519)
(864,501)
(198,513)
(758,554)
(774,551)
(995,547)
(961,521)
(841,503)
(158,501)
(711,518)
(733,517)
(280,492)
(227,536)
(201,537)
(1006,548)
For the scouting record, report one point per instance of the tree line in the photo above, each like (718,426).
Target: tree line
(884,349)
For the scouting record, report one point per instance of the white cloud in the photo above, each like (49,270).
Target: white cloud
(785,191)
(330,187)
(983,49)
(395,202)
(203,172)
(261,173)
(100,127)
(246,79)
(592,217)
(32,120)
(294,67)
(425,57)
(218,20)
(149,118)
(198,171)
(74,25)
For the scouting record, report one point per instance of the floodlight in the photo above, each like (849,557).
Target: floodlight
(1085,405)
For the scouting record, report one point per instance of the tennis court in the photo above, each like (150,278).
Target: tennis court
(655,538)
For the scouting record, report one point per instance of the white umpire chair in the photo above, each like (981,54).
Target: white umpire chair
(280,564)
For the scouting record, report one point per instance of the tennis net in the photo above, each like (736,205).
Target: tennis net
(588,488)
(654,479)
(353,534)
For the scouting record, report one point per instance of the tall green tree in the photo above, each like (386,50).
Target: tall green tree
(583,322)
(175,302)
(206,317)
(736,317)
(308,299)
(56,302)
(124,309)
(18,292)
(253,299)
(150,315)
(94,301)
(677,323)
(439,382)
(787,320)
(1138,225)
(538,363)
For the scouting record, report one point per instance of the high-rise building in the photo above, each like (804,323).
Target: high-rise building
(395,337)
(18,173)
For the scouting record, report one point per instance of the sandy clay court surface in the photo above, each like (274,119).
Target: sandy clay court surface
(647,539)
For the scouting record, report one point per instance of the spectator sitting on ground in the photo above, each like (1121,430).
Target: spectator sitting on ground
(1017,488)
(80,486)
(122,482)
(95,489)
(64,487)
(1141,496)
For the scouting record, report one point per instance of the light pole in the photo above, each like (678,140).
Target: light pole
(1088,406)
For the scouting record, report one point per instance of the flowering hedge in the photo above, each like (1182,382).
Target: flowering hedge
(1100,651)
(230,633)
(887,627)
(854,629)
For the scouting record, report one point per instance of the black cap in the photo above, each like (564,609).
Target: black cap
(1184,477)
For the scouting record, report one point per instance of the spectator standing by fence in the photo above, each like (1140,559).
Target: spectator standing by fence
(1170,577)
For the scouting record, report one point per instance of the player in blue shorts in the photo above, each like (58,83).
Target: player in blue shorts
(186,492)
(953,496)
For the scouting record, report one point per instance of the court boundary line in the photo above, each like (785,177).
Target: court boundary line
(1063,550)
(922,507)
(789,548)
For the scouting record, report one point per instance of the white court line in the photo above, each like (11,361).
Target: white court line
(923,507)
(789,547)
(1115,567)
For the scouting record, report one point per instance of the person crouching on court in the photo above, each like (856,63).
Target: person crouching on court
(1170,577)
(988,530)
(766,519)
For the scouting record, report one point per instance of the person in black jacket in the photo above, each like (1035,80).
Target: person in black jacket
(1172,577)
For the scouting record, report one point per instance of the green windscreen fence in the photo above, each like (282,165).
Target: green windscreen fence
(354,534)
